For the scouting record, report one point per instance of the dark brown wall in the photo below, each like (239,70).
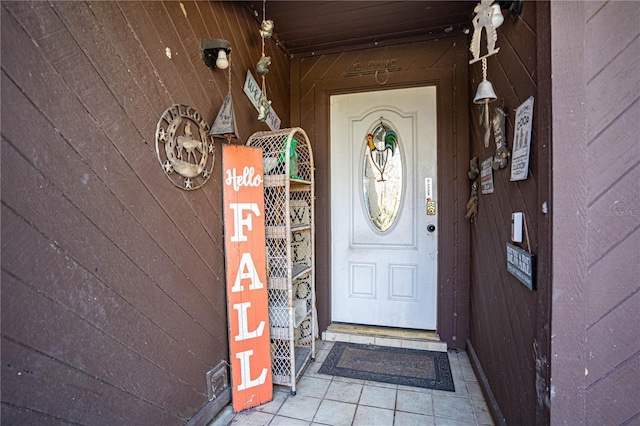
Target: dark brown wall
(441,62)
(596,92)
(508,321)
(113,301)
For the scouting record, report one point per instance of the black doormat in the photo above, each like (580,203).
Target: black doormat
(400,366)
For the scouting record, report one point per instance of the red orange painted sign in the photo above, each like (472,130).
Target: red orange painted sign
(247,299)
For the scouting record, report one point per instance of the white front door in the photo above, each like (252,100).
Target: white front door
(383,251)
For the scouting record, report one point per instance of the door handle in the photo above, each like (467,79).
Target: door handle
(431,227)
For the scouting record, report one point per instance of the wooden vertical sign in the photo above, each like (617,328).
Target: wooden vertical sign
(247,299)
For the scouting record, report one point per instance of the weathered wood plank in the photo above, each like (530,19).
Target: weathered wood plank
(186,28)
(569,212)
(153,47)
(605,45)
(57,218)
(462,230)
(614,151)
(98,203)
(166,36)
(117,28)
(446,174)
(13,415)
(30,379)
(613,338)
(133,54)
(50,272)
(612,400)
(529,15)
(611,91)
(35,321)
(616,268)
(117,125)
(520,37)
(613,216)
(498,360)
(108,78)
(106,174)
(592,8)
(542,343)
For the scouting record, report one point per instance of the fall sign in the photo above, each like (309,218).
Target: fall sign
(249,343)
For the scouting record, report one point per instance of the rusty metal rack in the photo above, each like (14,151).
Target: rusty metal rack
(289,221)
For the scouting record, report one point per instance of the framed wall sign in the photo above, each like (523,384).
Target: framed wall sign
(246,265)
(521,264)
(522,141)
(486,176)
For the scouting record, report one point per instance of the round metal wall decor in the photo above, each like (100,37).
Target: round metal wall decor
(185,151)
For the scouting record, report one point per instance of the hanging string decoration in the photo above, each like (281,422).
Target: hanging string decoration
(382,143)
(262,67)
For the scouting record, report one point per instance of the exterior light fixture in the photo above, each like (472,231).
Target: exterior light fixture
(222,62)
(214,53)
(496,17)
(514,7)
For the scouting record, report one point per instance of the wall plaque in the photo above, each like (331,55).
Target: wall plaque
(521,264)
(486,176)
(372,67)
(246,266)
(254,93)
(184,150)
(522,141)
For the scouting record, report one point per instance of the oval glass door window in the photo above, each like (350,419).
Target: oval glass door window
(382,176)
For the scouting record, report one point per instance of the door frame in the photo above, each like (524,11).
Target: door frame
(407,244)
(453,189)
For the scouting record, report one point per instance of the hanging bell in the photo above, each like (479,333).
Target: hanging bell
(224,126)
(485,93)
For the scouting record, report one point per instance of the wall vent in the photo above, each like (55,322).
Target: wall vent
(217,380)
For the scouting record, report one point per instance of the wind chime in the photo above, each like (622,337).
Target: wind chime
(262,67)
(224,126)
(484,95)
(488,17)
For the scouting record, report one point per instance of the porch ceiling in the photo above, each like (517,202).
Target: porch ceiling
(304,28)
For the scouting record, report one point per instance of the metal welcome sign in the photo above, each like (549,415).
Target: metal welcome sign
(184,149)
(247,299)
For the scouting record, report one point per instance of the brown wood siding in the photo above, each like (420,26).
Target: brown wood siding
(440,62)
(387,23)
(595,323)
(596,337)
(506,317)
(113,297)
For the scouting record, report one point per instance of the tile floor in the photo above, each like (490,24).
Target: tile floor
(333,400)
